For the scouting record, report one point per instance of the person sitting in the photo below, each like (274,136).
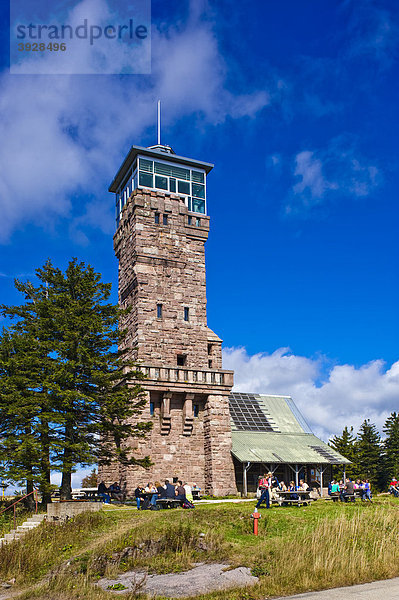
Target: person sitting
(303,485)
(348,491)
(293,488)
(161,490)
(102,491)
(394,487)
(115,491)
(274,482)
(180,492)
(334,490)
(282,487)
(138,494)
(151,489)
(170,490)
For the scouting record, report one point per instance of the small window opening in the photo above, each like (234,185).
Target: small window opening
(210,364)
(165,219)
(209,348)
(186,313)
(156,218)
(189,220)
(195,410)
(159,311)
(198,222)
(151,408)
(181,360)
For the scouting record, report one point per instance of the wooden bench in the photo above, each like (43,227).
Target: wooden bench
(168,503)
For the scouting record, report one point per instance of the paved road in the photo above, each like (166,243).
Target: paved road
(387,589)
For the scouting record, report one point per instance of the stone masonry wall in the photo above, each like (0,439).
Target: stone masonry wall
(165,264)
(219,468)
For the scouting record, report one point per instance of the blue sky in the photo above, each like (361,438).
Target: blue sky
(296,105)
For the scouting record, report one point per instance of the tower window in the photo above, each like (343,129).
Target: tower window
(210,364)
(165,219)
(156,218)
(195,410)
(186,313)
(172,185)
(146,179)
(151,408)
(159,311)
(183,187)
(161,182)
(181,360)
(189,220)
(198,222)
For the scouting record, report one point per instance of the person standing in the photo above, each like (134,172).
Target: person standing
(264,485)
(189,493)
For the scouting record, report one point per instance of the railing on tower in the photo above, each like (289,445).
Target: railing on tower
(187,375)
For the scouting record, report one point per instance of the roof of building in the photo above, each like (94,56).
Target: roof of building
(154,153)
(270,429)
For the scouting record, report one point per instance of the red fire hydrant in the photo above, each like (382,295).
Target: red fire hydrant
(256,516)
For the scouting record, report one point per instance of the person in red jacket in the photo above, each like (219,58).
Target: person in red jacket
(264,486)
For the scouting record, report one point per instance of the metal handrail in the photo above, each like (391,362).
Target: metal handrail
(34,491)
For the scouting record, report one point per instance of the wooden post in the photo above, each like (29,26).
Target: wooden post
(321,481)
(296,476)
(244,479)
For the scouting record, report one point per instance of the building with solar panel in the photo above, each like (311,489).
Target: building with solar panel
(202,432)
(270,434)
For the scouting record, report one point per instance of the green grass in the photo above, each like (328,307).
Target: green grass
(298,549)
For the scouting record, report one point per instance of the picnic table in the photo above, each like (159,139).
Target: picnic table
(168,502)
(287,497)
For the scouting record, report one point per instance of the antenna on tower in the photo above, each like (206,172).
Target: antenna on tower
(158,146)
(159,122)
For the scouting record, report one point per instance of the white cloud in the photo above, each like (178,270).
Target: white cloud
(63,136)
(338,170)
(373,32)
(346,396)
(312,181)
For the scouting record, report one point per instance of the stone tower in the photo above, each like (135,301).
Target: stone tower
(162,227)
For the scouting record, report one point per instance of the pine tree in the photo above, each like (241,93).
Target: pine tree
(345,445)
(90,480)
(85,401)
(24,410)
(368,454)
(391,447)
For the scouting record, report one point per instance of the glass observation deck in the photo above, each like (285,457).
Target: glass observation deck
(158,168)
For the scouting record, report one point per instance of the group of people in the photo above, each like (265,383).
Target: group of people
(147,497)
(113,491)
(270,486)
(345,490)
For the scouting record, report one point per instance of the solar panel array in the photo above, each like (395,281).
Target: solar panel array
(247,414)
(325,453)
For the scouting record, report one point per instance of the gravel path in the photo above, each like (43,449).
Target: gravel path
(200,580)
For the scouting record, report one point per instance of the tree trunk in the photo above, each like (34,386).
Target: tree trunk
(45,483)
(30,500)
(66,487)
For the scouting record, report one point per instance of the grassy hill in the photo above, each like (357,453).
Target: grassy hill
(298,549)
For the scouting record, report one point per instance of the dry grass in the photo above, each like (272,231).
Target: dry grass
(310,548)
